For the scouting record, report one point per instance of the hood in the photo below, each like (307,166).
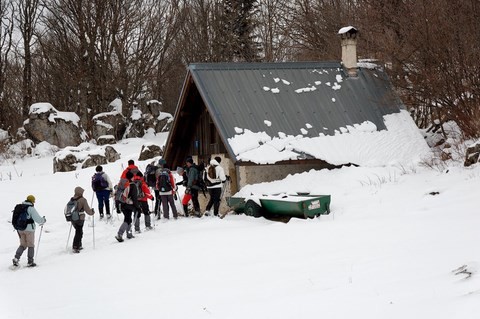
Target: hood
(78,192)
(214,162)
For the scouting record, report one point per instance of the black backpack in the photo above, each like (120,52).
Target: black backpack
(149,175)
(138,184)
(163,181)
(200,179)
(20,218)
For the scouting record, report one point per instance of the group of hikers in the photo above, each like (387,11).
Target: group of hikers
(131,196)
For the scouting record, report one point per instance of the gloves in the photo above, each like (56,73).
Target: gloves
(44,221)
(175,196)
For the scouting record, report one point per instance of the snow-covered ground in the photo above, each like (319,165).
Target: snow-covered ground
(391,248)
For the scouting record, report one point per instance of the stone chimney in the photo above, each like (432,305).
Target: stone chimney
(349,49)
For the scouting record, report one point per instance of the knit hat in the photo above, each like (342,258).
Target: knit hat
(31,199)
(162,161)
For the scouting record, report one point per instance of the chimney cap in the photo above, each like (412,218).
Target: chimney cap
(350,30)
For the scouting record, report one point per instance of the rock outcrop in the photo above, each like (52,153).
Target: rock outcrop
(71,158)
(139,123)
(109,123)
(149,151)
(472,155)
(106,139)
(45,123)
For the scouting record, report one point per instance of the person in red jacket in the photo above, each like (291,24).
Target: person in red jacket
(143,187)
(131,167)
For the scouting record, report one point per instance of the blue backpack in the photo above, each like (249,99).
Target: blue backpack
(99,182)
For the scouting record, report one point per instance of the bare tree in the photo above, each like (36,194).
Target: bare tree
(272,29)
(6,30)
(27,17)
(434,59)
(313,27)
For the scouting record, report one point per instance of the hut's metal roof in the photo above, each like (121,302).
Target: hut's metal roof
(287,97)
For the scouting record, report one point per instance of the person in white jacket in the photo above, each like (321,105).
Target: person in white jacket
(27,236)
(216,178)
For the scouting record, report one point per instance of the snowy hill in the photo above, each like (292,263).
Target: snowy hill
(393,247)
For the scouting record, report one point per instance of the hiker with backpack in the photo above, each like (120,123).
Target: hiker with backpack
(24,218)
(143,196)
(102,186)
(166,189)
(134,169)
(215,178)
(130,168)
(79,207)
(192,187)
(128,198)
(151,179)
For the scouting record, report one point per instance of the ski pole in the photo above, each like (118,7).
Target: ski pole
(68,238)
(39,237)
(93,222)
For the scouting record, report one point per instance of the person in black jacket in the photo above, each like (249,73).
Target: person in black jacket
(192,185)
(129,206)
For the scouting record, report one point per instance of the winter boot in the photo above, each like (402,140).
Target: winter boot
(129,232)
(121,230)
(148,222)
(15,262)
(185,209)
(137,224)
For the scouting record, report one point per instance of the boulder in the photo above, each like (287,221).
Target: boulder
(472,154)
(149,151)
(164,122)
(111,154)
(45,123)
(83,156)
(135,124)
(154,107)
(106,139)
(139,123)
(94,160)
(109,123)
(65,163)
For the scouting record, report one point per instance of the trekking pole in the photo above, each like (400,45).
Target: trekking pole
(39,237)
(93,223)
(68,238)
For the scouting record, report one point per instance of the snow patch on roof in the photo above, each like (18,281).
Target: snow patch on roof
(360,144)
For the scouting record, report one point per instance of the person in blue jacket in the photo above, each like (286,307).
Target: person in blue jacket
(27,236)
